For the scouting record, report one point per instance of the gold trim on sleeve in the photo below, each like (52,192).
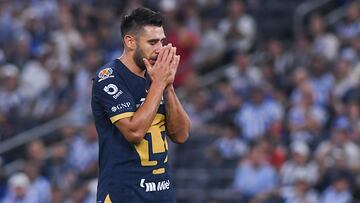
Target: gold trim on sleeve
(121,116)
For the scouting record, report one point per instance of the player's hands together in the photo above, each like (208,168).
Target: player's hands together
(165,67)
(174,66)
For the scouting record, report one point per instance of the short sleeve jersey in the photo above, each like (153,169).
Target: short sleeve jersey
(128,172)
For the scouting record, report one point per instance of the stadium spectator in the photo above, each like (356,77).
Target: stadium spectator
(67,40)
(243,74)
(322,79)
(30,87)
(254,176)
(37,152)
(19,190)
(82,83)
(345,79)
(257,114)
(338,191)
(306,118)
(209,53)
(340,144)
(78,193)
(10,95)
(57,195)
(352,53)
(196,107)
(60,172)
(11,101)
(226,101)
(325,43)
(299,165)
(276,54)
(350,28)
(39,186)
(84,151)
(185,40)
(299,191)
(2,180)
(228,148)
(302,51)
(238,27)
(309,81)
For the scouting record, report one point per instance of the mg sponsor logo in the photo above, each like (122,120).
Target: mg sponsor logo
(154,187)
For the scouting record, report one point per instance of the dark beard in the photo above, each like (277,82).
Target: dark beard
(138,58)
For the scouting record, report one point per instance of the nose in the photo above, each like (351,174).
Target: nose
(157,50)
(159,45)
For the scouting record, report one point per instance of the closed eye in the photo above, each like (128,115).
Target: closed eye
(155,41)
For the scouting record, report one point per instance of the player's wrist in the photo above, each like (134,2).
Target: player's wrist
(169,88)
(159,85)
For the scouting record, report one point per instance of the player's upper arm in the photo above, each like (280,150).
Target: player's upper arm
(118,103)
(129,129)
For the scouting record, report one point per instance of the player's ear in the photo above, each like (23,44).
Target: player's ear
(130,42)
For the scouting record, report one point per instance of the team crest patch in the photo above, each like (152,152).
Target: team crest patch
(105,73)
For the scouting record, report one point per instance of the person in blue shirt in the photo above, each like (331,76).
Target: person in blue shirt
(136,109)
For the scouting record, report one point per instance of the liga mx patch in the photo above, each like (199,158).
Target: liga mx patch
(105,74)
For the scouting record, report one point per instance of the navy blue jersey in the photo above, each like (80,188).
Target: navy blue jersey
(128,172)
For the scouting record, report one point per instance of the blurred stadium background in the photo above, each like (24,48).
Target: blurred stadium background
(272,88)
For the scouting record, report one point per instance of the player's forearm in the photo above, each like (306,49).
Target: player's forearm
(177,121)
(144,116)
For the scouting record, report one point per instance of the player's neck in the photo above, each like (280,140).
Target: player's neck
(129,62)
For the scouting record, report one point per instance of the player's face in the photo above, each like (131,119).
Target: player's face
(149,44)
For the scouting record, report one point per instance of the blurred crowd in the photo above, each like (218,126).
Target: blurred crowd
(285,112)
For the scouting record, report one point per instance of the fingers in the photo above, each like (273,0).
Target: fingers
(166,57)
(171,55)
(147,64)
(161,53)
(177,57)
(164,53)
(175,62)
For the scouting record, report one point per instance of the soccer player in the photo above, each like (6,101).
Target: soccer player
(135,109)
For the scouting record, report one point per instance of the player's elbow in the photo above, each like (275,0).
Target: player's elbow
(183,135)
(131,131)
(183,138)
(132,135)
(180,138)
(135,137)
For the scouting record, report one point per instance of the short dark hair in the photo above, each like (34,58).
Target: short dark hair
(139,18)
